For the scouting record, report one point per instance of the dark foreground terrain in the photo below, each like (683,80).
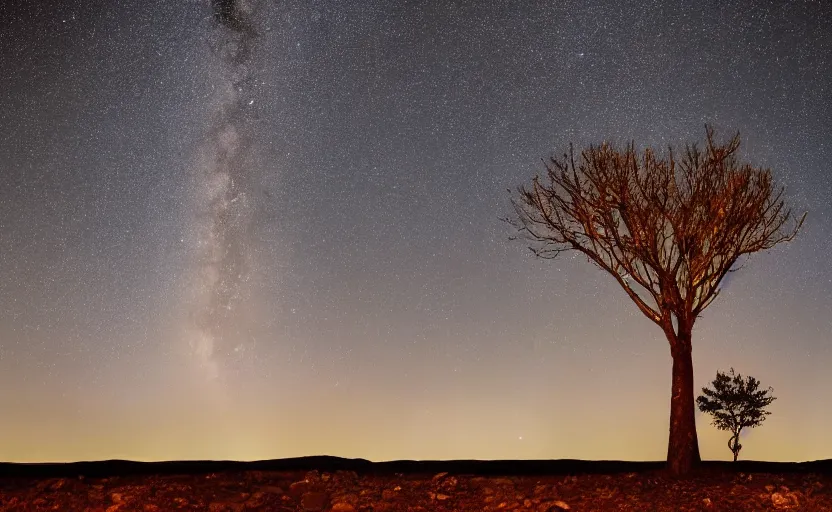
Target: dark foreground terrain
(348,485)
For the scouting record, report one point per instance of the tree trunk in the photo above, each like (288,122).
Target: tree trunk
(734,445)
(683,445)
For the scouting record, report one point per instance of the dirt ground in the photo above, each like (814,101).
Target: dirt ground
(340,485)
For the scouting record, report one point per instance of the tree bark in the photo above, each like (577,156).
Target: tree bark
(734,445)
(683,445)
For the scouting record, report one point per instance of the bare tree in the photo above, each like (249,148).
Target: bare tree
(734,404)
(668,230)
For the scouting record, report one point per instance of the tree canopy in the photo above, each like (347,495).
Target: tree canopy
(667,229)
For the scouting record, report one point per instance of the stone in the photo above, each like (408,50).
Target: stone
(450,482)
(784,501)
(299,488)
(314,501)
(256,500)
(342,507)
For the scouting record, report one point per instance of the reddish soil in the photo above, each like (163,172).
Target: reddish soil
(340,485)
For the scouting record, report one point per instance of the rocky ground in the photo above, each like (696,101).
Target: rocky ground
(243,487)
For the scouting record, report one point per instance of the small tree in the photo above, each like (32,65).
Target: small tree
(735,403)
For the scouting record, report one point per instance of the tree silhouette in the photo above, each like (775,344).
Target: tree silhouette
(668,230)
(734,404)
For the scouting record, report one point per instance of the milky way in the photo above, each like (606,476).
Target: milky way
(222,199)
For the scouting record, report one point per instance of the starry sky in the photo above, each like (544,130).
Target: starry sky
(284,238)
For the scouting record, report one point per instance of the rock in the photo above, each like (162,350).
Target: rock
(439,476)
(299,488)
(553,506)
(342,507)
(707,502)
(314,501)
(256,500)
(739,489)
(449,483)
(784,501)
(388,494)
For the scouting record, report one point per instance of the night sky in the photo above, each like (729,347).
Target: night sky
(284,239)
